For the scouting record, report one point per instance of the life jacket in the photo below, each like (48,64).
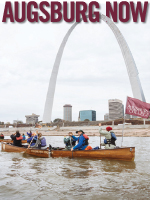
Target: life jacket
(88,148)
(1,136)
(19,138)
(43,142)
(112,140)
(113,135)
(86,139)
(68,141)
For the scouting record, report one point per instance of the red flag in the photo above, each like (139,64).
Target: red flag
(137,108)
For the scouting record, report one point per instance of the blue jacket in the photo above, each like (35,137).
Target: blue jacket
(81,141)
(30,139)
(24,137)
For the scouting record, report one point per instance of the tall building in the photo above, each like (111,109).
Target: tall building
(32,119)
(67,112)
(87,114)
(106,117)
(116,109)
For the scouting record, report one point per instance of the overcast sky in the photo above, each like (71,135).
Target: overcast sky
(92,68)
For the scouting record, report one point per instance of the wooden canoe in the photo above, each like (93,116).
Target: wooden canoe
(125,154)
(10,141)
(34,152)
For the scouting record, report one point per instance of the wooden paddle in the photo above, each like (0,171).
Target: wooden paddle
(30,144)
(71,145)
(70,134)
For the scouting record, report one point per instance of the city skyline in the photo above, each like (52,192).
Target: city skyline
(27,56)
(126,53)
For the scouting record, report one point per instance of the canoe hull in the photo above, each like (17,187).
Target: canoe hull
(10,141)
(125,154)
(34,152)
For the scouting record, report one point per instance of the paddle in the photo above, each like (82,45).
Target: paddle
(30,144)
(71,145)
(71,142)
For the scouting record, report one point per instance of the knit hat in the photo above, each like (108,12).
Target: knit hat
(108,128)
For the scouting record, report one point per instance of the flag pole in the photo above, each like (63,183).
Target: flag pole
(100,135)
(123,130)
(100,141)
(123,123)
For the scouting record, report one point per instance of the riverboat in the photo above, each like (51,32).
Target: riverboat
(10,141)
(123,153)
(34,152)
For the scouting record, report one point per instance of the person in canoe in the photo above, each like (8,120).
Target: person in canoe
(32,138)
(17,139)
(1,136)
(69,141)
(24,137)
(110,137)
(40,143)
(82,141)
(29,134)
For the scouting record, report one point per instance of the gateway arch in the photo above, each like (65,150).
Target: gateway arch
(128,58)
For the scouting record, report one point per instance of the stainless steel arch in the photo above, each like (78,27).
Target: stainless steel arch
(129,61)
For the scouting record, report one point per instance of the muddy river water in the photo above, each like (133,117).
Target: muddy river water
(66,179)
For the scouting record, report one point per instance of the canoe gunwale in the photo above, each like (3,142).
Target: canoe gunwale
(122,153)
(8,147)
(11,141)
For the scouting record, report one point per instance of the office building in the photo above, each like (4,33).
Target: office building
(106,117)
(116,109)
(67,112)
(87,114)
(32,119)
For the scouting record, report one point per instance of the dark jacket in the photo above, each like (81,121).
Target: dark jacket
(1,136)
(17,139)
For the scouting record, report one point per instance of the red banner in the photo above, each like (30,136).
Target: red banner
(137,108)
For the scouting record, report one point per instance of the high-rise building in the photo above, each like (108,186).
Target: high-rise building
(87,114)
(106,117)
(116,109)
(67,112)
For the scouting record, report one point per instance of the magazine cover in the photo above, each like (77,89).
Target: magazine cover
(68,69)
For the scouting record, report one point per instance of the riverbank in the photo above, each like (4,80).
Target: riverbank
(129,131)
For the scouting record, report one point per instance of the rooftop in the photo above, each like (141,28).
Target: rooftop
(67,105)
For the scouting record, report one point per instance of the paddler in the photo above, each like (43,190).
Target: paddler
(40,143)
(17,139)
(82,141)
(69,141)
(110,138)
(32,138)
(1,136)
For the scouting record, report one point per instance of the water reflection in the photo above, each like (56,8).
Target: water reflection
(117,166)
(79,168)
(82,168)
(63,178)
